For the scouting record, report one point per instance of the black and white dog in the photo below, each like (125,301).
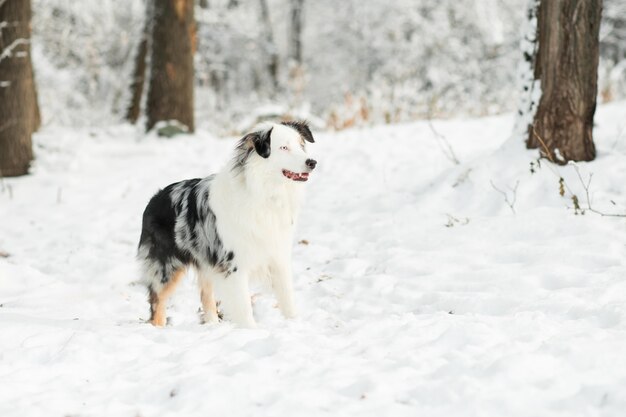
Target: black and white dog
(230,226)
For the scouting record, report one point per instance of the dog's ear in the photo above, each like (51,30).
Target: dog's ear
(302,128)
(262,143)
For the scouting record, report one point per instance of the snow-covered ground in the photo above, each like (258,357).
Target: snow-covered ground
(420,291)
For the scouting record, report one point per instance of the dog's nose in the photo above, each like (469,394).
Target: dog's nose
(310,163)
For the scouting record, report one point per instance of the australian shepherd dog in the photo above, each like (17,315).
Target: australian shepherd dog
(231,226)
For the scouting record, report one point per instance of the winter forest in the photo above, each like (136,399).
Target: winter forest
(458,250)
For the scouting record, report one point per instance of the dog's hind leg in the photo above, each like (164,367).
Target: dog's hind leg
(209,307)
(158,300)
(234,295)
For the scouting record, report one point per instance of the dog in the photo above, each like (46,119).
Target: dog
(231,226)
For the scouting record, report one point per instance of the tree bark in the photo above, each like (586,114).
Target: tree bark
(295,31)
(18,101)
(567,67)
(170,93)
(35,101)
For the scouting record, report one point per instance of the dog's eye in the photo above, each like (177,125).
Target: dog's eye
(284,148)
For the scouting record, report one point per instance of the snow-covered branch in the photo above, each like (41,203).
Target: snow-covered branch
(8,51)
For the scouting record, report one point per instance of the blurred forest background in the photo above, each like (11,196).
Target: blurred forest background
(360,62)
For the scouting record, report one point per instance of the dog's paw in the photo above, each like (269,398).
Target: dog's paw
(209,318)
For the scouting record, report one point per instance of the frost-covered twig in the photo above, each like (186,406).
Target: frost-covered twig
(442,141)
(510,202)
(586,188)
(443,144)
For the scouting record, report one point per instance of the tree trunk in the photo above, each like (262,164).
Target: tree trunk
(170,94)
(295,31)
(567,65)
(18,103)
(272,65)
(139,72)
(529,87)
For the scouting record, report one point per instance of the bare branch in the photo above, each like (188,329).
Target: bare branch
(510,202)
(546,151)
(442,141)
(588,198)
(443,144)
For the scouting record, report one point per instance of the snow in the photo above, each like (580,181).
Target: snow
(420,291)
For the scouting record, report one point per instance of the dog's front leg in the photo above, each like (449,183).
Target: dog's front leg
(282,284)
(209,308)
(234,295)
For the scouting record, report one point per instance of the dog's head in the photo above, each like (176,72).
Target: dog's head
(280,149)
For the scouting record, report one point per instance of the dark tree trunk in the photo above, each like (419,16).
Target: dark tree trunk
(295,31)
(19,112)
(567,65)
(139,72)
(272,65)
(170,93)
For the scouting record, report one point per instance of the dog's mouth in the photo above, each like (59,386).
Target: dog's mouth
(295,176)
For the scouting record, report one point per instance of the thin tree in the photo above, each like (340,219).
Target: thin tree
(295,31)
(139,70)
(268,34)
(566,65)
(170,90)
(297,78)
(19,111)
